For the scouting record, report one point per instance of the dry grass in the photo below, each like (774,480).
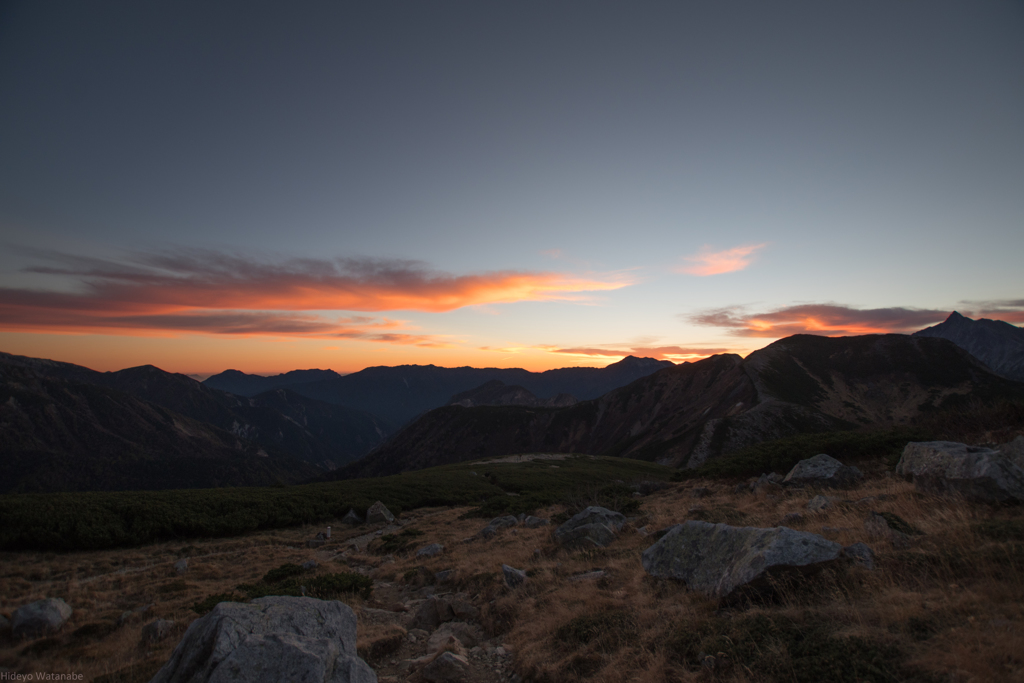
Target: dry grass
(949,606)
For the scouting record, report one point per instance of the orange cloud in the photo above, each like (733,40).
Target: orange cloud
(824,319)
(707,262)
(203,291)
(672,353)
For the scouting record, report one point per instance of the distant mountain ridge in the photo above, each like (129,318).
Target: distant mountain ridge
(278,436)
(997,344)
(497,393)
(399,394)
(686,414)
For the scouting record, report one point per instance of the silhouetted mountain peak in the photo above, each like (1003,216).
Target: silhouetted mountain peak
(996,343)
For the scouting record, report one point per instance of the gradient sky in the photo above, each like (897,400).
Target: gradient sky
(270,186)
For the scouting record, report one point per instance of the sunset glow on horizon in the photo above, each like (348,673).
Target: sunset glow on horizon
(539,186)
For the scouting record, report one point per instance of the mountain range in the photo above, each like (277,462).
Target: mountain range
(66,427)
(400,394)
(685,414)
(997,344)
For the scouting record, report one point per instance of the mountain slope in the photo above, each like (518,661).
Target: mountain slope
(497,393)
(283,424)
(685,414)
(241,384)
(66,435)
(399,394)
(997,344)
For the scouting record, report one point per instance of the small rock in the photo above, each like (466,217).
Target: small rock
(157,630)
(860,554)
(131,614)
(513,577)
(594,527)
(398,607)
(40,618)
(432,550)
(309,564)
(792,518)
(819,503)
(532,522)
(181,566)
(446,668)
(379,514)
(497,524)
(823,470)
(877,526)
(315,543)
(444,575)
(352,518)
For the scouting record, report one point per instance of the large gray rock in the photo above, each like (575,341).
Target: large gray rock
(594,527)
(270,639)
(432,550)
(40,618)
(497,524)
(716,559)
(379,514)
(950,468)
(824,471)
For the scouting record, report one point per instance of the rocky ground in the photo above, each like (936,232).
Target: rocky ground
(941,597)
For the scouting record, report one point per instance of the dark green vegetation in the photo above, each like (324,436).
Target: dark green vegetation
(782,454)
(781,649)
(80,521)
(292,580)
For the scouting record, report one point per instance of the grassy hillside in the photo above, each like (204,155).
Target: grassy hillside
(79,521)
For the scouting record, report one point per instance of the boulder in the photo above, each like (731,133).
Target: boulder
(432,550)
(513,577)
(950,468)
(156,630)
(309,564)
(431,613)
(532,522)
(497,524)
(446,667)
(40,618)
(716,559)
(352,518)
(379,514)
(181,566)
(594,527)
(270,639)
(824,471)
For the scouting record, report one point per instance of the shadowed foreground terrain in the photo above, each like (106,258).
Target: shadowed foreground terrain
(946,605)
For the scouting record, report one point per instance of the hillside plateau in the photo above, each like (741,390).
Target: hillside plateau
(939,600)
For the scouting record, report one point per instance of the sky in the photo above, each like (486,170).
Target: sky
(271,186)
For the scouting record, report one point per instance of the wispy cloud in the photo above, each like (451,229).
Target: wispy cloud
(673,353)
(676,354)
(1007,310)
(708,262)
(823,319)
(213,292)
